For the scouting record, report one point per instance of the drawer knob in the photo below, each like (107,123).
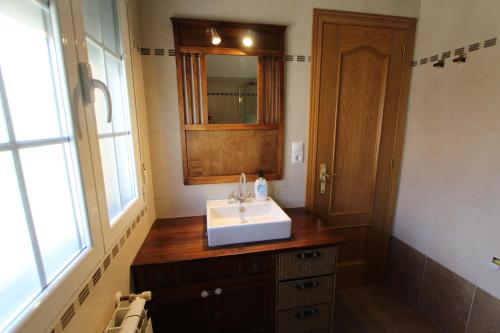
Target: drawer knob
(305,255)
(310,284)
(206,293)
(307,313)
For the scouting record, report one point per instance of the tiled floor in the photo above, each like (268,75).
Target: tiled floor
(377,308)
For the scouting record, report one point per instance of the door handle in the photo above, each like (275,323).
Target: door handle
(323,177)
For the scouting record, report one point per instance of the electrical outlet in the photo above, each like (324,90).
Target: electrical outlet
(297,152)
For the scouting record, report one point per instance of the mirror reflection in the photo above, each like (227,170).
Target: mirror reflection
(231,89)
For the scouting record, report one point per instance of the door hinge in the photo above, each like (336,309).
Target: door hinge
(391,163)
(404,49)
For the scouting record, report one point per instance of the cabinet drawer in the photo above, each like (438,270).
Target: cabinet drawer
(160,276)
(305,263)
(257,264)
(299,293)
(305,320)
(209,270)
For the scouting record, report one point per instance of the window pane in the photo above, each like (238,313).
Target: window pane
(110,173)
(26,49)
(96,59)
(54,208)
(92,20)
(19,281)
(4,137)
(118,93)
(109,26)
(126,170)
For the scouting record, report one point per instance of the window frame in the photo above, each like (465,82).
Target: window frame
(112,231)
(69,34)
(58,293)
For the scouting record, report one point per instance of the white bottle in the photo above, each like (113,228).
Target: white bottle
(261,188)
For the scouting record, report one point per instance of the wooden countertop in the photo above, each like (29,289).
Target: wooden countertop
(183,239)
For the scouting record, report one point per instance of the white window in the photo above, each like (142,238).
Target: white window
(107,53)
(58,209)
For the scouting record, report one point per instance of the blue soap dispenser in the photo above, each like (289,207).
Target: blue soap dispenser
(261,187)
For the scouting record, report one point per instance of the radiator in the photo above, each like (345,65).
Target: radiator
(130,315)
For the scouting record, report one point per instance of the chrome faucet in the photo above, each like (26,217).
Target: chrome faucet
(242,195)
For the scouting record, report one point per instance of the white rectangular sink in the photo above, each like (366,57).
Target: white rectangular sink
(255,221)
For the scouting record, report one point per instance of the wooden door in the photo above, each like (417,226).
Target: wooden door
(358,101)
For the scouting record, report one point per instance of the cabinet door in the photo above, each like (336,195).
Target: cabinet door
(187,312)
(244,307)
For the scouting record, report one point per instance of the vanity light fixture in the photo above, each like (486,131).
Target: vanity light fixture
(439,64)
(215,36)
(461,58)
(248,39)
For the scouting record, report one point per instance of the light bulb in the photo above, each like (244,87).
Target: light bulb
(215,36)
(247,41)
(216,40)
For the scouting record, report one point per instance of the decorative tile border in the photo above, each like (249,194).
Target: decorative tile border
(146,51)
(458,51)
(474,47)
(490,42)
(96,277)
(301,58)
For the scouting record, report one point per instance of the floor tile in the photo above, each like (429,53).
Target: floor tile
(485,313)
(377,309)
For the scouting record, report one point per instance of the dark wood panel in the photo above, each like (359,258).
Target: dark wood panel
(183,239)
(354,247)
(222,153)
(245,307)
(225,268)
(271,89)
(194,33)
(350,274)
(191,313)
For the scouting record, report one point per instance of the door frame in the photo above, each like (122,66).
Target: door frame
(321,17)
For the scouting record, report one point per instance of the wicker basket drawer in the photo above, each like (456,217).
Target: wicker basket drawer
(309,319)
(304,292)
(306,263)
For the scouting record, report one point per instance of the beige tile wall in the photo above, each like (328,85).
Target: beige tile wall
(172,198)
(449,196)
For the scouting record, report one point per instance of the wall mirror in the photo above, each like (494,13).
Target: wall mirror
(231,89)
(230,80)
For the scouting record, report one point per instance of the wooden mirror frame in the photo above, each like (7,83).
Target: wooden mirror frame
(218,153)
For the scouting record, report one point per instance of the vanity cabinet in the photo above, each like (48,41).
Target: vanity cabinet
(216,295)
(285,286)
